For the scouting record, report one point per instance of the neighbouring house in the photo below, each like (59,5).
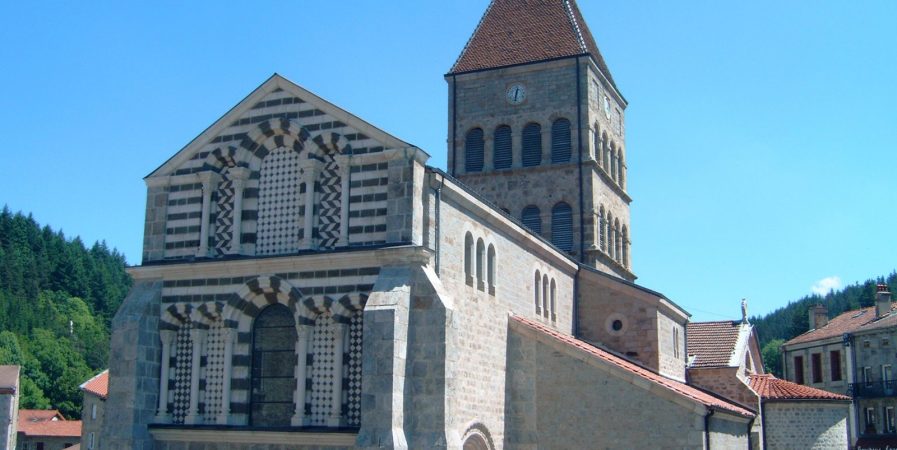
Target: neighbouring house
(724,357)
(853,353)
(9,405)
(93,409)
(40,429)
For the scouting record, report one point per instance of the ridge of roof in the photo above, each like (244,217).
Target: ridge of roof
(48,423)
(848,322)
(769,387)
(690,392)
(514,32)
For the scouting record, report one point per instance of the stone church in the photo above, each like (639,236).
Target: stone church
(308,281)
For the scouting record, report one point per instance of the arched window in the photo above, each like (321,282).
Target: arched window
(537,293)
(562,226)
(552,303)
(490,269)
(625,240)
(468,259)
(545,296)
(561,142)
(502,156)
(602,238)
(621,169)
(605,153)
(613,162)
(532,145)
(473,150)
(610,235)
(273,361)
(596,142)
(481,256)
(532,219)
(618,241)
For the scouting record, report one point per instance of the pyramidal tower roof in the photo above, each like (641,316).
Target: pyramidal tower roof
(523,31)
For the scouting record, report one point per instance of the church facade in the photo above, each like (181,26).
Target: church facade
(309,282)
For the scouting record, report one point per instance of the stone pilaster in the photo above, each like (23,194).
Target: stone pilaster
(302,337)
(310,169)
(209,181)
(345,167)
(167,338)
(230,336)
(198,338)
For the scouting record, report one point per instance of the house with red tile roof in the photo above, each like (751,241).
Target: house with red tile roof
(853,353)
(93,409)
(46,429)
(724,357)
(9,405)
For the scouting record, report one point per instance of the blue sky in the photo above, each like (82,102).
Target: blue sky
(760,135)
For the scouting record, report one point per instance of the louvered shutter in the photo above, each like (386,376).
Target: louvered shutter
(531,219)
(562,227)
(473,151)
(502,147)
(561,142)
(532,145)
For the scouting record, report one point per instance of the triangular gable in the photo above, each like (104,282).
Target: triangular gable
(278,86)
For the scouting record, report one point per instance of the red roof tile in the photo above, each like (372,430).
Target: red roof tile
(47,422)
(770,387)
(848,322)
(98,385)
(712,343)
(523,31)
(678,387)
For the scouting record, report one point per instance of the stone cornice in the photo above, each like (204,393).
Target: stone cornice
(251,436)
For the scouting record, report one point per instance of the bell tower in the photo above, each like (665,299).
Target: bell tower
(536,125)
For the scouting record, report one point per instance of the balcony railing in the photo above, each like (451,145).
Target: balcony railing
(886,388)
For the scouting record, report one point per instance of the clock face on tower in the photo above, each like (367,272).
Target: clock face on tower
(516,94)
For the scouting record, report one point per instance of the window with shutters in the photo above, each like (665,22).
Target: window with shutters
(532,219)
(532,145)
(562,226)
(473,150)
(561,143)
(502,156)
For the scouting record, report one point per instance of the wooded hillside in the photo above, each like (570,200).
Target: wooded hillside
(57,298)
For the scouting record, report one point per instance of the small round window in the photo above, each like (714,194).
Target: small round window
(617,325)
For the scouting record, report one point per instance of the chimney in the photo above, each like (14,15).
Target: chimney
(818,316)
(882,300)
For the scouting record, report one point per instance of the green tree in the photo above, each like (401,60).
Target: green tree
(772,357)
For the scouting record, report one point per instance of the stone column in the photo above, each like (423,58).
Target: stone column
(337,403)
(310,169)
(302,337)
(230,335)
(198,337)
(167,337)
(209,180)
(239,175)
(345,167)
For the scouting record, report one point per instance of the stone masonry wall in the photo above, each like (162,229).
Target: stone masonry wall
(728,434)
(822,425)
(827,384)
(9,413)
(134,369)
(724,382)
(91,424)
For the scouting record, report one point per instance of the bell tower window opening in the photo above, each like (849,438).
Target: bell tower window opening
(473,151)
(532,145)
(502,154)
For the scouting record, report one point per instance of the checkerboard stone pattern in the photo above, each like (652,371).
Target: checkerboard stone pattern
(280,203)
(180,395)
(213,372)
(329,198)
(320,398)
(224,219)
(353,371)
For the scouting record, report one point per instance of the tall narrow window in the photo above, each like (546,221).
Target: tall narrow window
(490,269)
(553,302)
(273,362)
(502,156)
(610,235)
(867,376)
(621,169)
(625,240)
(870,420)
(618,241)
(835,364)
(481,256)
(562,226)
(596,142)
(473,150)
(537,293)
(613,162)
(889,419)
(561,142)
(799,369)
(532,219)
(532,145)
(602,238)
(468,259)
(816,365)
(545,296)
(605,153)
(676,343)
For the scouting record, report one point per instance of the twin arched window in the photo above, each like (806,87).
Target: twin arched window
(483,267)
(610,158)
(613,238)
(545,296)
